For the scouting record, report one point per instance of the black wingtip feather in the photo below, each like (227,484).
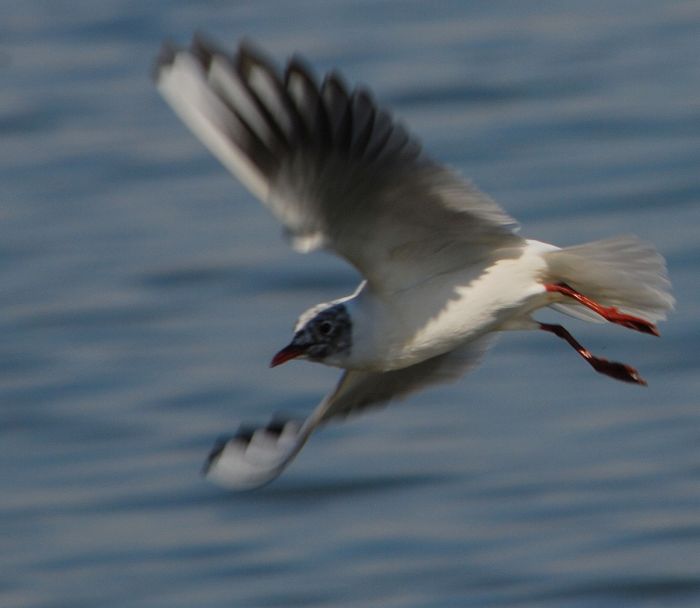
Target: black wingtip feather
(310,108)
(204,49)
(245,433)
(363,109)
(165,58)
(297,113)
(216,450)
(298,65)
(337,104)
(247,59)
(251,55)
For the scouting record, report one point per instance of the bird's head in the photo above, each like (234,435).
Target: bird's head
(322,334)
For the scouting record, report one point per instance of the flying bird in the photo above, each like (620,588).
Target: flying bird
(444,267)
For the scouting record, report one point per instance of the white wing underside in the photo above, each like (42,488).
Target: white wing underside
(338,171)
(256,456)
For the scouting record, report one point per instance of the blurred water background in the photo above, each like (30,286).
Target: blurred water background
(144,291)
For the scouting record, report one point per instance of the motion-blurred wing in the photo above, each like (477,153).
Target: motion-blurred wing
(256,456)
(358,390)
(336,169)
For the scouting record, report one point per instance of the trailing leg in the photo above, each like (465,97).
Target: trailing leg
(616,370)
(609,313)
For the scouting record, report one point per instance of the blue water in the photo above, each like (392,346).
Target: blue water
(144,291)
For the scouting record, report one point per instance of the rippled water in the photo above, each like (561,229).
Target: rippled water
(143,293)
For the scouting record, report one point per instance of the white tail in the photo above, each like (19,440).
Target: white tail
(624,272)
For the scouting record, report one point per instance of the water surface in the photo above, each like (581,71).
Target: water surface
(144,292)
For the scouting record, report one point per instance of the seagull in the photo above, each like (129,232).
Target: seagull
(444,267)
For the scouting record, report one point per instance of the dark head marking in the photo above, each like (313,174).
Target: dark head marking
(322,332)
(327,333)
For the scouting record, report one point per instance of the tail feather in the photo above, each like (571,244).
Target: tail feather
(624,272)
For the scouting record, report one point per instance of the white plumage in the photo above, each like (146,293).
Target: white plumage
(444,268)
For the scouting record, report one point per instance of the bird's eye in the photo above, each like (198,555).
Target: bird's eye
(325,327)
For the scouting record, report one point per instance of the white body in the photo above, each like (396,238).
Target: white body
(443,312)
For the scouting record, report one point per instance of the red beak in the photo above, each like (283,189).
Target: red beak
(288,353)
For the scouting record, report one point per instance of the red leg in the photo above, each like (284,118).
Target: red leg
(620,371)
(609,313)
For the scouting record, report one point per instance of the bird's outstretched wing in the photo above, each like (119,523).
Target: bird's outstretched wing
(255,456)
(335,168)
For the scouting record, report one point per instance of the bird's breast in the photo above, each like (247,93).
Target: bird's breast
(447,311)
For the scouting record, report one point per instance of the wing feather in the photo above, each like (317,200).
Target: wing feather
(254,456)
(358,390)
(336,169)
